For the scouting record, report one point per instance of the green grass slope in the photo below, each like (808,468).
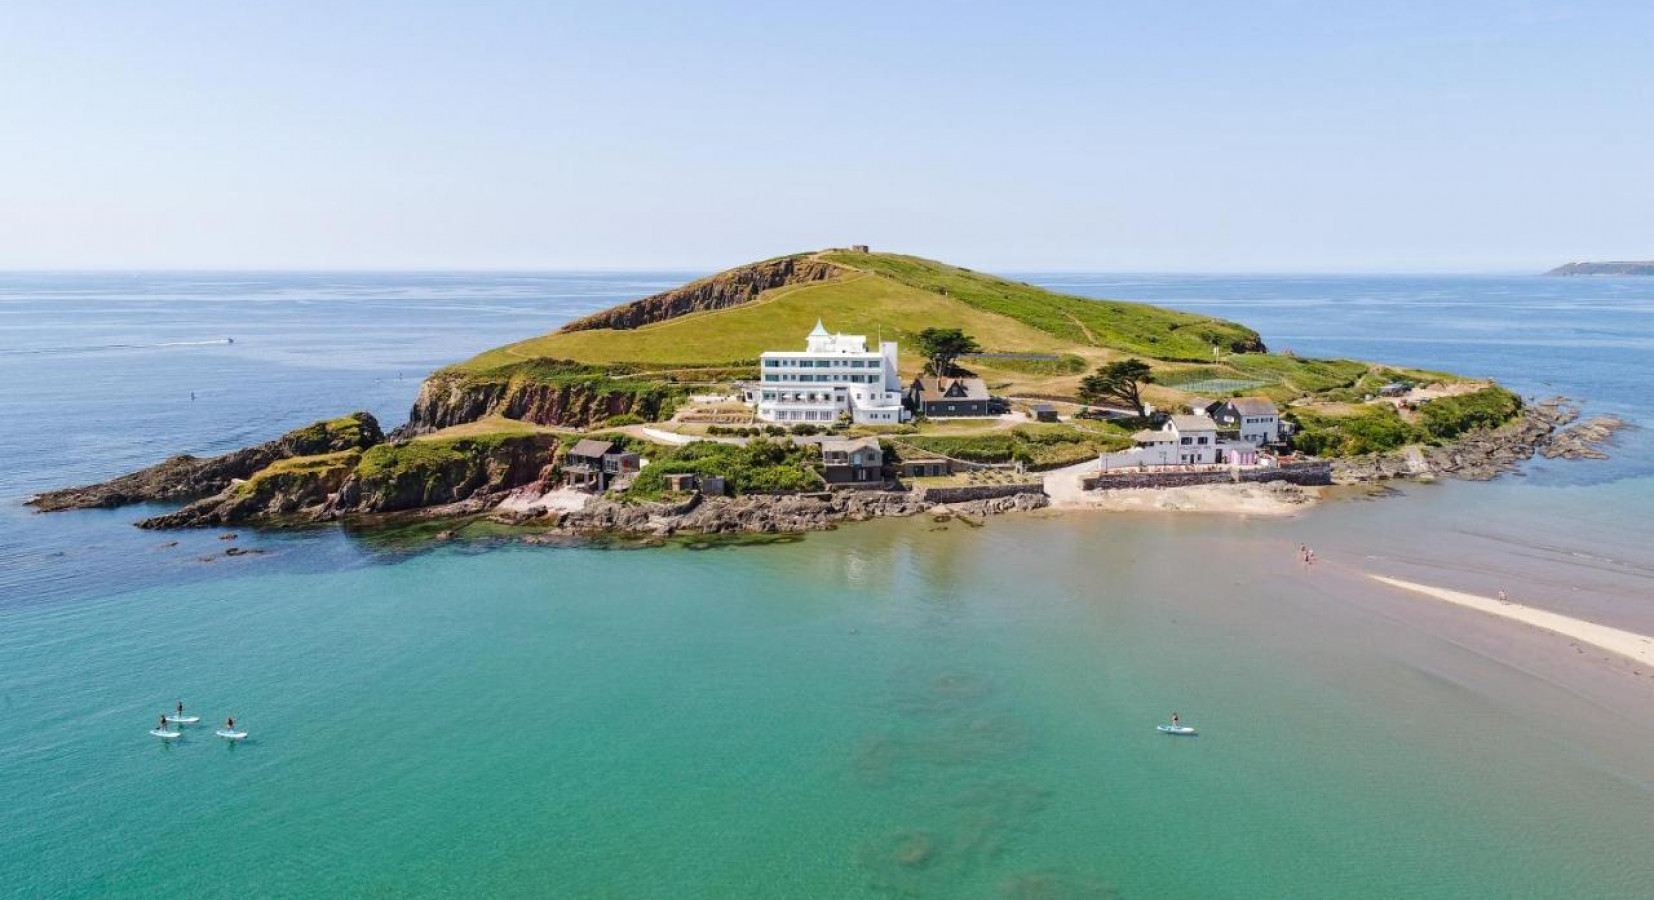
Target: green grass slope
(894,297)
(1136,328)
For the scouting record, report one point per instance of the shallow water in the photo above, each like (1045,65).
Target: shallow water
(894,709)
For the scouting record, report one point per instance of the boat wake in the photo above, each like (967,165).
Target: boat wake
(94,348)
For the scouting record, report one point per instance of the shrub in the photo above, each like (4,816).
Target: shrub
(1449,417)
(762,465)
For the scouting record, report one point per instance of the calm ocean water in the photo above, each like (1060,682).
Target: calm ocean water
(888,710)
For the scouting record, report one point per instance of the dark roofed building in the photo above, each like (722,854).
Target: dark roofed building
(859,461)
(595,465)
(943,397)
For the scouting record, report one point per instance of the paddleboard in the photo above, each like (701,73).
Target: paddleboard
(230,735)
(183,720)
(166,735)
(1176,729)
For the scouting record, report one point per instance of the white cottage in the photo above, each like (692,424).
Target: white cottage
(834,375)
(1185,440)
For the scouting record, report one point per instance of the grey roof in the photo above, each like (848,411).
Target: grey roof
(589,447)
(935,389)
(1149,435)
(849,446)
(1193,423)
(1254,406)
(1042,407)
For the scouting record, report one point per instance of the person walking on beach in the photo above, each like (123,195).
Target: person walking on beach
(1504,597)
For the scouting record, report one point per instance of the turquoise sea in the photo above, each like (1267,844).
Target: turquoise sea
(894,709)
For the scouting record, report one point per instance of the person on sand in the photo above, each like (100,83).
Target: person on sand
(1504,597)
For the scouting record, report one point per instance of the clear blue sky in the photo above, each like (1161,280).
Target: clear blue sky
(1183,136)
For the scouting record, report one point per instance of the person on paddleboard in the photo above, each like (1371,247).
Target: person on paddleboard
(1174,718)
(163,725)
(180,709)
(229,724)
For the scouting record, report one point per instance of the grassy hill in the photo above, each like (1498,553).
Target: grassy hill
(879,295)
(634,359)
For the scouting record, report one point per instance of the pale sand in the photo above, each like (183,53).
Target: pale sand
(1629,644)
(1226,499)
(526,498)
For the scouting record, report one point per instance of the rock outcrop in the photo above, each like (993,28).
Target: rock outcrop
(414,475)
(732,288)
(758,514)
(187,477)
(1580,441)
(1485,454)
(449,398)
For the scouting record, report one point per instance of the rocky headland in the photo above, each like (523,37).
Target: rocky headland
(1629,267)
(1485,454)
(184,477)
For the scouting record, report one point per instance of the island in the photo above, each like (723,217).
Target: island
(1645,267)
(797,392)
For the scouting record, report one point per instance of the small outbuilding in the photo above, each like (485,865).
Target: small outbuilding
(1043,412)
(924,466)
(682,482)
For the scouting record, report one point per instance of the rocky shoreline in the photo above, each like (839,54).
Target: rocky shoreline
(1487,454)
(766,514)
(511,481)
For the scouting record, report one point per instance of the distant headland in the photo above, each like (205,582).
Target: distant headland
(1645,267)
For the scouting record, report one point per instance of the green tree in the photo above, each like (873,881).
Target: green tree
(942,347)
(1120,381)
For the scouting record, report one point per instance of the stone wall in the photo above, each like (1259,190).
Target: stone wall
(1304,473)
(967,493)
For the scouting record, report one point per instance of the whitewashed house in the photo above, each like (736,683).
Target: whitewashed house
(834,375)
(1256,418)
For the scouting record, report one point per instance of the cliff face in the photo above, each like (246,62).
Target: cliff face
(271,494)
(388,478)
(726,289)
(188,477)
(453,398)
(410,476)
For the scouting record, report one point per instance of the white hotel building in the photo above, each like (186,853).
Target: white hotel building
(834,375)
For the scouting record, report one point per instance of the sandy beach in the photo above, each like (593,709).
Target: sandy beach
(1629,644)
(1226,499)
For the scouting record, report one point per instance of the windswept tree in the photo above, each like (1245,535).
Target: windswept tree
(1120,382)
(943,347)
